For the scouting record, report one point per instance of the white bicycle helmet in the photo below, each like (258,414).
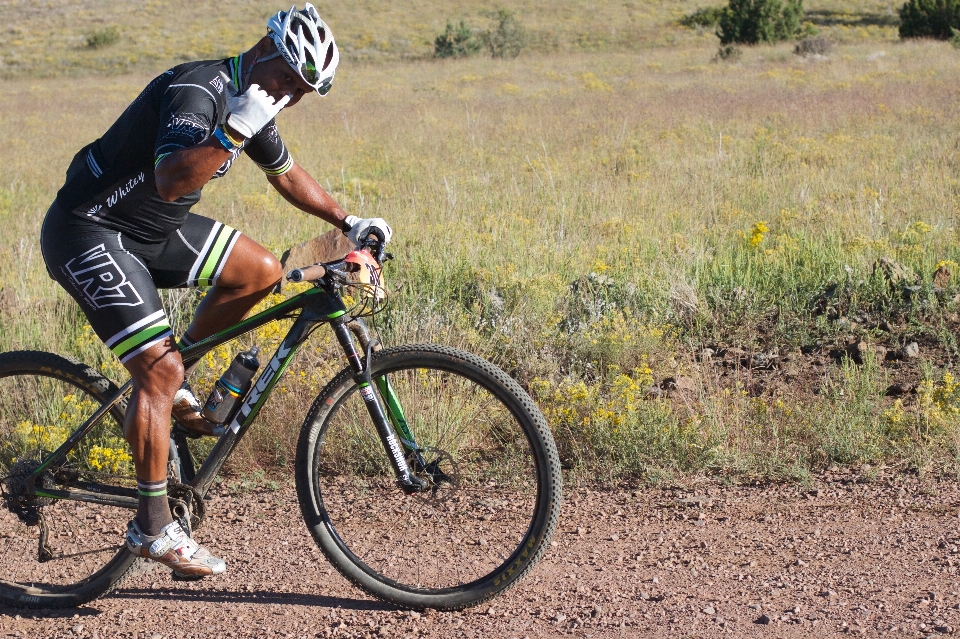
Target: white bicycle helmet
(306,43)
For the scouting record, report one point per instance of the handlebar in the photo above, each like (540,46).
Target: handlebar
(372,241)
(307,273)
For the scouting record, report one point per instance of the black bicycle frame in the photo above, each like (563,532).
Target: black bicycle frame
(321,304)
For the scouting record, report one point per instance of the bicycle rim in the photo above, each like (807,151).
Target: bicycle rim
(495,483)
(43,399)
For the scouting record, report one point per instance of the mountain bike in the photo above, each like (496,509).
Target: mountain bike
(426,475)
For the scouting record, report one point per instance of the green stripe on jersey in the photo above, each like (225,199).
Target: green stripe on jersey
(286,166)
(235,72)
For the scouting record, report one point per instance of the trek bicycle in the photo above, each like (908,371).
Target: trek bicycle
(426,475)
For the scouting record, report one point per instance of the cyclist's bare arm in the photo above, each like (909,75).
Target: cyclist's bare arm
(186,170)
(302,191)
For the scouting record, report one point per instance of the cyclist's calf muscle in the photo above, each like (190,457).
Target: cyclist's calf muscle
(157,373)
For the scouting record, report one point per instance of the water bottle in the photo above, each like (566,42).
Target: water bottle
(232,387)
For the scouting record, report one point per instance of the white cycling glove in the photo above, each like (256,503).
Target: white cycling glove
(251,110)
(355,227)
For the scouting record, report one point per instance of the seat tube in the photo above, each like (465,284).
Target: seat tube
(361,376)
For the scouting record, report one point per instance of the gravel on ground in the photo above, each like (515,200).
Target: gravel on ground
(854,553)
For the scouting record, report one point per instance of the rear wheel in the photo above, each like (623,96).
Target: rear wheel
(486,452)
(57,553)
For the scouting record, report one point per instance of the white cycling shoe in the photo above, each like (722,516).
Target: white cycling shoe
(186,410)
(174,549)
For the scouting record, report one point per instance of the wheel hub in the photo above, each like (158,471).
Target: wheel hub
(440,471)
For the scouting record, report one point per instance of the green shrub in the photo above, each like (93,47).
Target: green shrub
(729,53)
(456,42)
(103,37)
(954,40)
(507,38)
(929,19)
(703,17)
(755,21)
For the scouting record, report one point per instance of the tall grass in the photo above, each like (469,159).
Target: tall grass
(159,33)
(590,221)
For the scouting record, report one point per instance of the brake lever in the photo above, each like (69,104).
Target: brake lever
(376,248)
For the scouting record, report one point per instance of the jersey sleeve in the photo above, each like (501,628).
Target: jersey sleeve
(188,115)
(267,149)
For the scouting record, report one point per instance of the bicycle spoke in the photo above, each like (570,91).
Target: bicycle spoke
(465,545)
(37,414)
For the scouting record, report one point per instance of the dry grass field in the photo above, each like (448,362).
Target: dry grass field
(696,266)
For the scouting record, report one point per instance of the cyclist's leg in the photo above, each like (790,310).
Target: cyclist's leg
(101,269)
(116,293)
(249,275)
(239,270)
(157,373)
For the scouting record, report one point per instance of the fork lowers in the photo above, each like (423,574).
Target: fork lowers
(361,375)
(413,484)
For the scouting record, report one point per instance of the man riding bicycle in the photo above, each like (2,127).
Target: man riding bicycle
(121,228)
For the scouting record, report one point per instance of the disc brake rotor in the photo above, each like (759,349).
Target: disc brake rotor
(440,471)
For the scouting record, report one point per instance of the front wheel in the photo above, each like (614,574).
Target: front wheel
(482,446)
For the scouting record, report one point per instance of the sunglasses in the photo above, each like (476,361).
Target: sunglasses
(308,71)
(310,74)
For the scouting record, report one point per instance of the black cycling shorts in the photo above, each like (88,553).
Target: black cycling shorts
(115,278)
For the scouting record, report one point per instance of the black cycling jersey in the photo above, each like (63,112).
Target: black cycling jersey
(111,180)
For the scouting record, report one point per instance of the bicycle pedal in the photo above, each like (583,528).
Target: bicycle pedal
(176,576)
(179,429)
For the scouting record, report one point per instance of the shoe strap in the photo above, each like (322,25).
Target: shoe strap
(186,393)
(173,537)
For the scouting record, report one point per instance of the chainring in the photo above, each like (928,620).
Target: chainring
(195,508)
(15,491)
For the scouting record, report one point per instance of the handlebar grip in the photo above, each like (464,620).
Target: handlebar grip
(375,232)
(307,273)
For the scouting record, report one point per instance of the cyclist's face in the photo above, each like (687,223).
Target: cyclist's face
(279,80)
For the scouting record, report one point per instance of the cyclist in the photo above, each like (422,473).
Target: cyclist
(121,227)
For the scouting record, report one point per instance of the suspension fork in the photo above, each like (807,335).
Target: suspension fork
(394,411)
(408,482)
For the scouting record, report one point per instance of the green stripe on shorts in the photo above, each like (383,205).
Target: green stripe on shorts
(220,245)
(141,337)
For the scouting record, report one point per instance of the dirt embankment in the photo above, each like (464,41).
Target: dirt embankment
(841,556)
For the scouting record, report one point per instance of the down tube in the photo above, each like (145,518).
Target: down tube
(248,412)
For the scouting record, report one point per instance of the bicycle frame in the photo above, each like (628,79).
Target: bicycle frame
(321,304)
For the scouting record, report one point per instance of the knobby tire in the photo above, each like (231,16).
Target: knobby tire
(43,398)
(495,504)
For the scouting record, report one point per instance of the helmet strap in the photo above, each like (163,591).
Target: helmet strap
(256,60)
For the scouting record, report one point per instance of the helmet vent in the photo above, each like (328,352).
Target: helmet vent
(299,36)
(326,61)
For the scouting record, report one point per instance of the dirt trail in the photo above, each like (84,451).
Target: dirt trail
(876,558)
